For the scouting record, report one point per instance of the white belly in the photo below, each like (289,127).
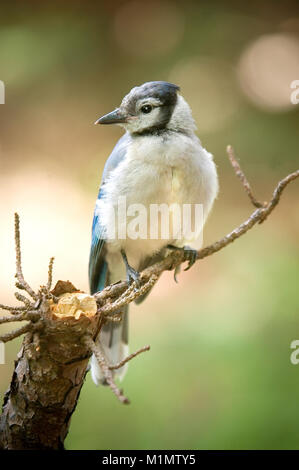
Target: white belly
(176,171)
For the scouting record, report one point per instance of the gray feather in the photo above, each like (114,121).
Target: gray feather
(117,155)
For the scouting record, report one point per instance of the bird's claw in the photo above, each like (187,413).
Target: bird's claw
(190,256)
(133,276)
(177,270)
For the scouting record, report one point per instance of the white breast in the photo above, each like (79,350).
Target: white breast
(157,170)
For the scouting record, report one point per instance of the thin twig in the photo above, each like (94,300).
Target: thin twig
(12,309)
(50,273)
(29,315)
(22,284)
(22,298)
(128,296)
(278,192)
(128,358)
(100,356)
(15,333)
(242,177)
(18,317)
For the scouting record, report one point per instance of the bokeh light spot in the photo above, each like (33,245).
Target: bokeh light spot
(266,69)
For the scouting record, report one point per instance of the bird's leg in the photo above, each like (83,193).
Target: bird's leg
(190,254)
(132,275)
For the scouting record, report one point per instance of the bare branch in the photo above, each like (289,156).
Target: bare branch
(18,317)
(100,356)
(23,299)
(242,177)
(22,284)
(50,273)
(130,294)
(15,333)
(128,358)
(13,310)
(30,315)
(278,192)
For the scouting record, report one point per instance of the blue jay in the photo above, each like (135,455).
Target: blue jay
(159,160)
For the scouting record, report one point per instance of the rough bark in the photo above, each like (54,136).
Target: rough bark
(46,383)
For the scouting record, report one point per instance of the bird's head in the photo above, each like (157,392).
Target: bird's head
(150,108)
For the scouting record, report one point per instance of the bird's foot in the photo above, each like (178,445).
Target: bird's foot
(132,274)
(190,255)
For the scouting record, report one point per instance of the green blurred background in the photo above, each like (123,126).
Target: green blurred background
(219,373)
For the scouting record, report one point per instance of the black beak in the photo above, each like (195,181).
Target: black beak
(115,117)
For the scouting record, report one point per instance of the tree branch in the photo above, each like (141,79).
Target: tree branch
(21,284)
(130,357)
(97,350)
(242,177)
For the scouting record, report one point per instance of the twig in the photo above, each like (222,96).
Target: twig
(29,315)
(22,298)
(7,319)
(128,358)
(100,356)
(278,192)
(15,333)
(22,284)
(12,309)
(242,177)
(128,296)
(50,273)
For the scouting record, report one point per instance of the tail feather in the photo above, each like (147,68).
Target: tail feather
(114,341)
(113,337)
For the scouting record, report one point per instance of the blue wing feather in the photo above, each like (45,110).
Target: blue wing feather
(98,268)
(97,264)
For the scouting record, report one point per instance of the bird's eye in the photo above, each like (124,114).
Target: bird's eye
(146,108)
